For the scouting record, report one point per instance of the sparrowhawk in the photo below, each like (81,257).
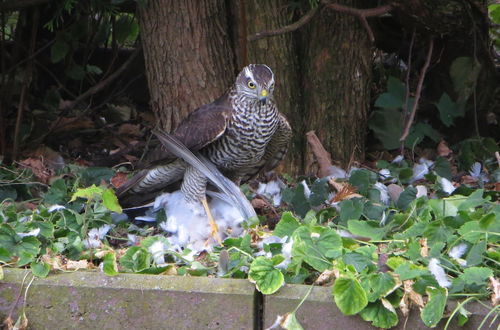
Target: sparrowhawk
(241,133)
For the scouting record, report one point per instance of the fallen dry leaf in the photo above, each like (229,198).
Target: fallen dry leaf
(495,287)
(259,203)
(40,171)
(325,278)
(442,149)
(424,249)
(77,264)
(119,179)
(130,129)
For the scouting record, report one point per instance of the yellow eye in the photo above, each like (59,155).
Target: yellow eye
(251,84)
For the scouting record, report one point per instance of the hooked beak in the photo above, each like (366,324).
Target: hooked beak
(263,95)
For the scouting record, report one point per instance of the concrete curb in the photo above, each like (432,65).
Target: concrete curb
(92,300)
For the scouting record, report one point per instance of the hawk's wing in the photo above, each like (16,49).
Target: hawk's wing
(275,150)
(202,127)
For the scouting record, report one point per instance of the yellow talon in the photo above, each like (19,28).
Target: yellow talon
(213,225)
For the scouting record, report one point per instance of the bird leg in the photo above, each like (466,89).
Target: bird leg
(213,225)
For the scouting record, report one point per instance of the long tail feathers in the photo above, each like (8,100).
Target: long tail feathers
(210,171)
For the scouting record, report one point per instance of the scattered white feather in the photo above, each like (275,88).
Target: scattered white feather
(95,235)
(446,185)
(384,192)
(383,220)
(132,239)
(33,232)
(420,169)
(457,252)
(337,173)
(271,190)
(476,172)
(158,250)
(385,174)
(277,322)
(188,226)
(307,191)
(55,207)
(438,272)
(398,159)
(421,191)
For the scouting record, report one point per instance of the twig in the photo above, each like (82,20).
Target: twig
(286,29)
(105,82)
(407,96)
(419,91)
(26,84)
(362,14)
(322,156)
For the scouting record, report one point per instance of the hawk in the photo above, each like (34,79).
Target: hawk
(241,133)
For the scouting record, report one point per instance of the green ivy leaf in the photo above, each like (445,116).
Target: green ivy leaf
(387,125)
(267,278)
(95,175)
(351,209)
(359,261)
(317,246)
(110,267)
(136,259)
(56,193)
(476,275)
(5,255)
(395,96)
(93,69)
(378,285)
(110,200)
(290,322)
(40,269)
(90,193)
(363,180)
(381,314)
(406,197)
(59,50)
(442,167)
(408,271)
(367,228)
(448,110)
(287,225)
(475,255)
(349,295)
(433,311)
(26,248)
(319,192)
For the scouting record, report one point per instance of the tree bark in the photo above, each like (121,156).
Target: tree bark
(337,74)
(188,57)
(280,53)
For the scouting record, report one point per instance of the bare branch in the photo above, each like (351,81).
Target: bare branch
(322,156)
(362,14)
(105,82)
(28,75)
(14,5)
(286,29)
(419,91)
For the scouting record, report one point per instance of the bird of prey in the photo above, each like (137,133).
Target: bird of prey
(241,133)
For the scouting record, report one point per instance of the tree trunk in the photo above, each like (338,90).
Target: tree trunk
(188,57)
(337,74)
(279,53)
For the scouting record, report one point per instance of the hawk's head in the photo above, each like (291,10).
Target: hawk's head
(256,81)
